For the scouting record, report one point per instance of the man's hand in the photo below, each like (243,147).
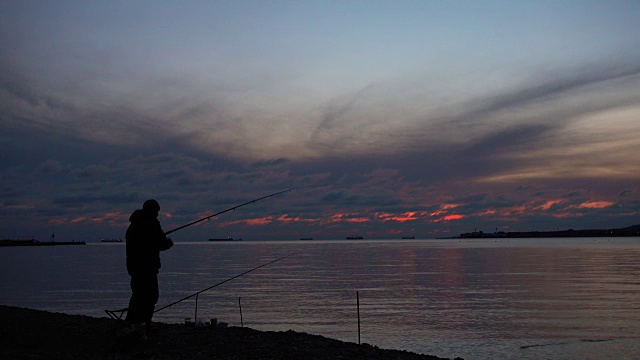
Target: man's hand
(165,244)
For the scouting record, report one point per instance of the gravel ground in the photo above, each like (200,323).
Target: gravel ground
(34,334)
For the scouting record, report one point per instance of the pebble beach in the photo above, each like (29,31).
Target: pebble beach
(35,334)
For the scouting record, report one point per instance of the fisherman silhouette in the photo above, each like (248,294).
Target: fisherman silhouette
(145,239)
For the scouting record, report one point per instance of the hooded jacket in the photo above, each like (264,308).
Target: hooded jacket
(145,239)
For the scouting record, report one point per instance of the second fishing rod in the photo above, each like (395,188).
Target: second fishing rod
(222,282)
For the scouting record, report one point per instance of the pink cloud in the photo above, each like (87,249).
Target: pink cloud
(547,205)
(406,216)
(348,217)
(250,222)
(567,215)
(453,217)
(595,204)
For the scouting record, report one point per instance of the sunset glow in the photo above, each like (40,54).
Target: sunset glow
(381,117)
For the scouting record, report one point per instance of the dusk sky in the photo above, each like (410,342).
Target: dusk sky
(390,118)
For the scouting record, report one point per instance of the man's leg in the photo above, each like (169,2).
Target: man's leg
(137,312)
(144,296)
(152,299)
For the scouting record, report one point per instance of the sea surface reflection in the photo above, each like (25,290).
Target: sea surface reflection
(477,299)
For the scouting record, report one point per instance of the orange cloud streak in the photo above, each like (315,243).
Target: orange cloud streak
(404,217)
(250,222)
(549,204)
(347,218)
(595,204)
(453,217)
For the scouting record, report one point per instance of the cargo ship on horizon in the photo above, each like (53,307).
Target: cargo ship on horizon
(229,238)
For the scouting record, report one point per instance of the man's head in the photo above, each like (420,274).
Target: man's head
(151,206)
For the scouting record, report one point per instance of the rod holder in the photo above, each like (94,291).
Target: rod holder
(358,307)
(240,305)
(195,316)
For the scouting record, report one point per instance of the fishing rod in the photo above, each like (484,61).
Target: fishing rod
(224,211)
(222,282)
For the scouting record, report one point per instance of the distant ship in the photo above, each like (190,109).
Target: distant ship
(355,237)
(229,238)
(111,240)
(306,238)
(408,237)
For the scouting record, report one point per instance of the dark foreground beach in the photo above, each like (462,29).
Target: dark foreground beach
(33,334)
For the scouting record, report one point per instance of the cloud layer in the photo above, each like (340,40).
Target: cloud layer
(97,117)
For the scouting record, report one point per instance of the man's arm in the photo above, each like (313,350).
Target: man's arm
(163,242)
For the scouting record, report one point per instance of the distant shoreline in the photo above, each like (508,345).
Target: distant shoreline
(619,232)
(9,242)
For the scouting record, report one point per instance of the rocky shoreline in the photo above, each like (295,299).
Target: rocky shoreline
(34,334)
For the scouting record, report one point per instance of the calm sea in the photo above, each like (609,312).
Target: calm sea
(477,299)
